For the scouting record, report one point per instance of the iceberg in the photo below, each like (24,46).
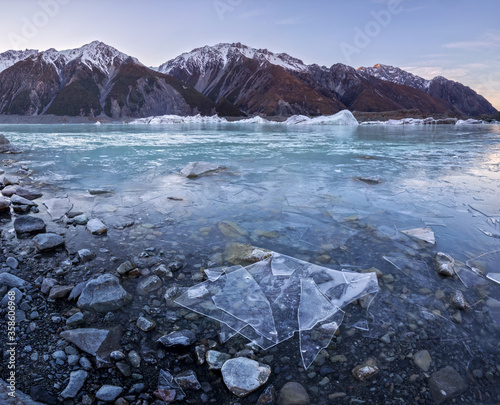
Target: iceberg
(470,121)
(268,301)
(413,121)
(344,117)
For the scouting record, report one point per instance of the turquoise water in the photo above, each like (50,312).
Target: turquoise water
(290,180)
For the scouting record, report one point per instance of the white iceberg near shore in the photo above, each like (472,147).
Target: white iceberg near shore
(344,117)
(413,121)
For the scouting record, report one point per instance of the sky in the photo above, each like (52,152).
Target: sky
(458,39)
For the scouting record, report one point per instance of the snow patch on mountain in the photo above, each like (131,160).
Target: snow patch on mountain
(225,53)
(396,75)
(10,58)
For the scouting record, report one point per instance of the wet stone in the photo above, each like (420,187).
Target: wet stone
(18,200)
(268,396)
(108,393)
(76,381)
(91,340)
(148,285)
(458,300)
(27,193)
(126,267)
(180,338)
(145,324)
(4,204)
(47,241)
(366,370)
(29,225)
(81,219)
(134,358)
(216,359)
(423,360)
(293,393)
(198,169)
(242,376)
(86,255)
(445,265)
(446,384)
(124,369)
(11,281)
(60,291)
(47,285)
(96,227)
(201,352)
(12,263)
(75,320)
(188,380)
(103,294)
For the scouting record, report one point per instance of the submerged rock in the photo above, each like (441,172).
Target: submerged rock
(458,300)
(370,179)
(216,360)
(445,264)
(231,229)
(47,241)
(240,253)
(29,225)
(58,207)
(293,393)
(424,234)
(446,384)
(197,169)
(243,376)
(188,380)
(103,294)
(423,360)
(366,370)
(96,227)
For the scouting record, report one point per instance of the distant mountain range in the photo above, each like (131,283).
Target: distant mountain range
(225,79)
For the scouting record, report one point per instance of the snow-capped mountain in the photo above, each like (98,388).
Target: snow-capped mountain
(466,100)
(93,80)
(10,58)
(258,81)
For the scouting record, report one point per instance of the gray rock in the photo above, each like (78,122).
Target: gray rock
(197,169)
(445,265)
(125,267)
(458,300)
(163,271)
(188,380)
(145,324)
(96,227)
(60,291)
(81,219)
(77,291)
(4,204)
(47,284)
(94,341)
(148,285)
(18,200)
(27,193)
(108,393)
(9,191)
(29,225)
(293,393)
(242,376)
(59,354)
(180,338)
(370,179)
(86,255)
(76,381)
(103,294)
(58,207)
(216,359)
(73,359)
(446,384)
(366,370)
(18,296)
(117,355)
(124,369)
(48,241)
(11,281)
(12,263)
(75,320)
(134,358)
(10,180)
(99,191)
(423,360)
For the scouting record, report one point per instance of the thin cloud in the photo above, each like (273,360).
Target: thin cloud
(488,40)
(259,12)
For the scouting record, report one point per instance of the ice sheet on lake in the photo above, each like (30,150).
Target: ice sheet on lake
(267,302)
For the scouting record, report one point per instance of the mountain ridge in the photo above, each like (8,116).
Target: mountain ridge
(228,78)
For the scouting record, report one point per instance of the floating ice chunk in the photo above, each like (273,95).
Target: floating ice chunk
(424,234)
(343,117)
(268,301)
(470,121)
(177,119)
(495,277)
(255,120)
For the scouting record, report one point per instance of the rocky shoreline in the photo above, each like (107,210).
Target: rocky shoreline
(96,323)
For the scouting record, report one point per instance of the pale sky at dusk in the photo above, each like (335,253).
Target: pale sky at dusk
(458,39)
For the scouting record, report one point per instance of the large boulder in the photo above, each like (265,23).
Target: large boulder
(48,241)
(29,225)
(103,294)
